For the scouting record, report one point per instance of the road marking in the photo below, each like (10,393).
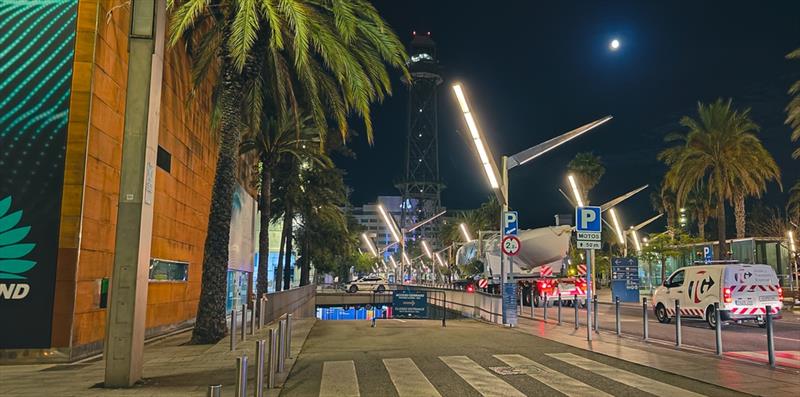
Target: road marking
(553,379)
(408,379)
(339,379)
(783,338)
(618,375)
(479,378)
(397,319)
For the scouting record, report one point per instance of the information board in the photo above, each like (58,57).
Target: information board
(510,303)
(625,279)
(410,304)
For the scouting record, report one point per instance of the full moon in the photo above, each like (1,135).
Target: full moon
(614,45)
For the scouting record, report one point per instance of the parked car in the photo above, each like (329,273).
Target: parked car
(742,291)
(369,283)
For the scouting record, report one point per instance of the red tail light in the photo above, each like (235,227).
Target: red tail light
(780,293)
(470,288)
(726,295)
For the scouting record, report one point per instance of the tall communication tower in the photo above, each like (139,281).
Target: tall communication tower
(421,187)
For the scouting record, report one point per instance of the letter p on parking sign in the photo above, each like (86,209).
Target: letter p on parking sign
(587,219)
(510,223)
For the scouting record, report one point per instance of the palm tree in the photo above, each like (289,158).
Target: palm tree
(793,207)
(587,169)
(698,205)
(326,55)
(793,108)
(274,140)
(663,201)
(721,151)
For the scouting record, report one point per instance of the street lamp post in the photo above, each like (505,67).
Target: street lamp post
(498,179)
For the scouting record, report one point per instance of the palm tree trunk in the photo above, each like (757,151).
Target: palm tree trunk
(701,227)
(721,248)
(279,264)
(262,283)
(663,268)
(739,211)
(210,324)
(287,259)
(305,270)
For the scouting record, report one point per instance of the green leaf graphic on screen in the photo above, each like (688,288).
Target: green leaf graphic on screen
(11,250)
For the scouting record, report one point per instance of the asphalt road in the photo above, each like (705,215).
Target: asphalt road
(465,359)
(695,332)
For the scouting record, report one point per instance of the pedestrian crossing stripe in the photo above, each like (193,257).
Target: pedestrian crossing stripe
(408,379)
(551,378)
(483,381)
(339,377)
(619,375)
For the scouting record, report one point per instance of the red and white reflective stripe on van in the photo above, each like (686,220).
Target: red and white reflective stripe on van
(751,288)
(753,310)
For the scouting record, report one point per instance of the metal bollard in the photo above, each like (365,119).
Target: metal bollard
(519,307)
(616,316)
(559,309)
(596,325)
(718,328)
(575,305)
(770,338)
(244,320)
(261,345)
(531,302)
(241,376)
(545,308)
(288,335)
(281,345)
(253,319)
(233,329)
(271,364)
(214,391)
(645,325)
(677,323)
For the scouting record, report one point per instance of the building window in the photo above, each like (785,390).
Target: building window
(166,270)
(163,159)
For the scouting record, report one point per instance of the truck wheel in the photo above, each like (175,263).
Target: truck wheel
(711,319)
(353,289)
(661,314)
(381,288)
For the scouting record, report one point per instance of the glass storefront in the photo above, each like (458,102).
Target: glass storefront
(237,289)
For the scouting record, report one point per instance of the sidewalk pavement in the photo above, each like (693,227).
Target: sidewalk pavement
(741,376)
(172,368)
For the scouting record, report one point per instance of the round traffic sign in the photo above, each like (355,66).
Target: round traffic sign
(511,245)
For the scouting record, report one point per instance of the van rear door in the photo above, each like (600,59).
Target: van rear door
(752,288)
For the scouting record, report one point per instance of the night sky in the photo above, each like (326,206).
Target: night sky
(534,70)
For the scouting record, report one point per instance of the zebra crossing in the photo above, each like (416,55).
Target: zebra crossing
(339,378)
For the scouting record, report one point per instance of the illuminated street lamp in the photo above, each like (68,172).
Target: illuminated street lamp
(369,244)
(575,192)
(427,249)
(399,234)
(635,236)
(498,178)
(464,231)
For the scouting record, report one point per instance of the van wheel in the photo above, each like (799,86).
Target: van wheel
(536,301)
(761,323)
(711,318)
(353,289)
(381,288)
(661,314)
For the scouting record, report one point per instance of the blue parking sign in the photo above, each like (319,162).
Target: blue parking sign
(510,223)
(587,219)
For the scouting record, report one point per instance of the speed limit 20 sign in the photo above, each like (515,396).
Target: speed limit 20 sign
(511,245)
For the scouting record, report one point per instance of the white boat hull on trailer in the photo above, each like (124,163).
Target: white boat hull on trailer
(542,246)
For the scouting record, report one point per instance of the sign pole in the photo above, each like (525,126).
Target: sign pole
(502,225)
(589,272)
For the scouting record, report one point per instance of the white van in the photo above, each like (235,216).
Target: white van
(742,291)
